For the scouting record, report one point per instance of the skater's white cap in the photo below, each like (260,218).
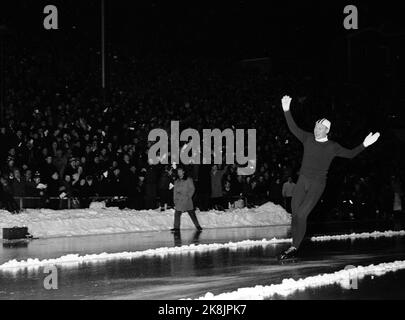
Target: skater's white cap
(325,122)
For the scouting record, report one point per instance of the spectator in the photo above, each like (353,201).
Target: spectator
(217,200)
(72,167)
(204,187)
(164,190)
(287,192)
(18,185)
(398,196)
(90,188)
(139,199)
(276,191)
(54,122)
(66,187)
(151,186)
(29,184)
(237,188)
(182,195)
(88,191)
(115,183)
(6,197)
(228,194)
(47,169)
(53,185)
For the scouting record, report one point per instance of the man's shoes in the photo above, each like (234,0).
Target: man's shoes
(290,253)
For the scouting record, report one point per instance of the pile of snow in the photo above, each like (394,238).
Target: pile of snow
(101,220)
(364,235)
(97,205)
(288,286)
(75,259)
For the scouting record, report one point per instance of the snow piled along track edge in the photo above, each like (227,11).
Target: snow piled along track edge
(75,259)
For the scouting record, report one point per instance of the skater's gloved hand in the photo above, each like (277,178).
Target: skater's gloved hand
(370,139)
(285,102)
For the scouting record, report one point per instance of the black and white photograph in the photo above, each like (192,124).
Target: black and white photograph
(185,152)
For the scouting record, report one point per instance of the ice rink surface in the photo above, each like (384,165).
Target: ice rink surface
(193,274)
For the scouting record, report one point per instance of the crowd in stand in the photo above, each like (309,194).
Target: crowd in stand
(59,139)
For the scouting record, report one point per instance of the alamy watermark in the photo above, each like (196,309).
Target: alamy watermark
(201,151)
(351,21)
(51,20)
(51,280)
(351,282)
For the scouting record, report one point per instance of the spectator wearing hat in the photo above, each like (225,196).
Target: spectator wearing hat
(39,187)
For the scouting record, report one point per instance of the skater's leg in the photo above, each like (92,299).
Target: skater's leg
(297,199)
(194,219)
(312,197)
(299,192)
(177,216)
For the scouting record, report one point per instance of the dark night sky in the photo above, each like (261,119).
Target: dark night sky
(201,28)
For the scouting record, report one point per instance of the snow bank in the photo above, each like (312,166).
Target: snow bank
(344,277)
(75,259)
(99,220)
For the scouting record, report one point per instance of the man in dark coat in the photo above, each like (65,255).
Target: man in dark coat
(18,185)
(6,197)
(182,197)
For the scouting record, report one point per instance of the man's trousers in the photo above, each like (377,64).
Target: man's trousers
(306,195)
(177,217)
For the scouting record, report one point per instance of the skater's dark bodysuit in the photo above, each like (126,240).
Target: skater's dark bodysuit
(312,177)
(318,155)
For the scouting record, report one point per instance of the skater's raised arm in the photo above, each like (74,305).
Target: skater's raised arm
(348,153)
(296,131)
(351,153)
